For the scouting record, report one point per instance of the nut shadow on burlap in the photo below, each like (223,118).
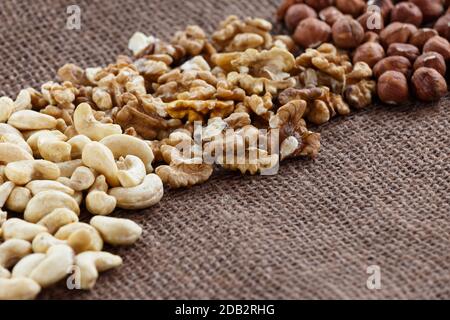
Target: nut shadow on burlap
(378,194)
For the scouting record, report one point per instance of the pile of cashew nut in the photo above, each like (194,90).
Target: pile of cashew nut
(46,177)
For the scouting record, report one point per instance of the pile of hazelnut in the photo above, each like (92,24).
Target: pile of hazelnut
(406,43)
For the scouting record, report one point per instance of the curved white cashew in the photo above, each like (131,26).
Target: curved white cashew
(117,231)
(85,123)
(55,267)
(148,193)
(43,241)
(38,186)
(8,129)
(91,263)
(100,158)
(18,199)
(31,120)
(131,171)
(78,143)
(122,145)
(98,202)
(18,289)
(57,219)
(10,152)
(13,250)
(27,264)
(81,237)
(17,140)
(45,202)
(50,145)
(22,172)
(6,108)
(19,229)
(81,179)
(23,101)
(68,167)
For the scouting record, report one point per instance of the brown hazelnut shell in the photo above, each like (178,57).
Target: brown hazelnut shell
(393,63)
(429,85)
(432,60)
(392,87)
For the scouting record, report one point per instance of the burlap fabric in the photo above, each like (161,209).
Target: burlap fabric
(378,194)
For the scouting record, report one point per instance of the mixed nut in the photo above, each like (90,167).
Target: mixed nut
(112,137)
(406,43)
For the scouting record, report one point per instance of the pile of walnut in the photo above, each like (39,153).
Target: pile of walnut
(405,42)
(94,139)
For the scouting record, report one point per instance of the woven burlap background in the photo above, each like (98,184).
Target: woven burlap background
(378,194)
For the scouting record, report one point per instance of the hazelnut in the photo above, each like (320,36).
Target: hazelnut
(371,37)
(353,7)
(443,26)
(438,44)
(297,13)
(385,6)
(312,32)
(421,36)
(407,12)
(371,21)
(392,87)
(405,50)
(429,85)
(370,53)
(283,8)
(395,63)
(397,32)
(330,15)
(431,60)
(319,4)
(347,33)
(431,9)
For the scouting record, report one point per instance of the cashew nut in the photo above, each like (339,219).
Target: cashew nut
(8,129)
(122,145)
(13,250)
(85,123)
(78,143)
(117,231)
(81,237)
(81,179)
(5,191)
(55,267)
(6,108)
(68,167)
(23,101)
(26,265)
(38,186)
(57,219)
(91,263)
(100,158)
(18,289)
(148,193)
(10,152)
(31,120)
(50,145)
(43,241)
(131,171)
(97,200)
(56,151)
(45,202)
(18,199)
(19,229)
(17,140)
(22,172)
